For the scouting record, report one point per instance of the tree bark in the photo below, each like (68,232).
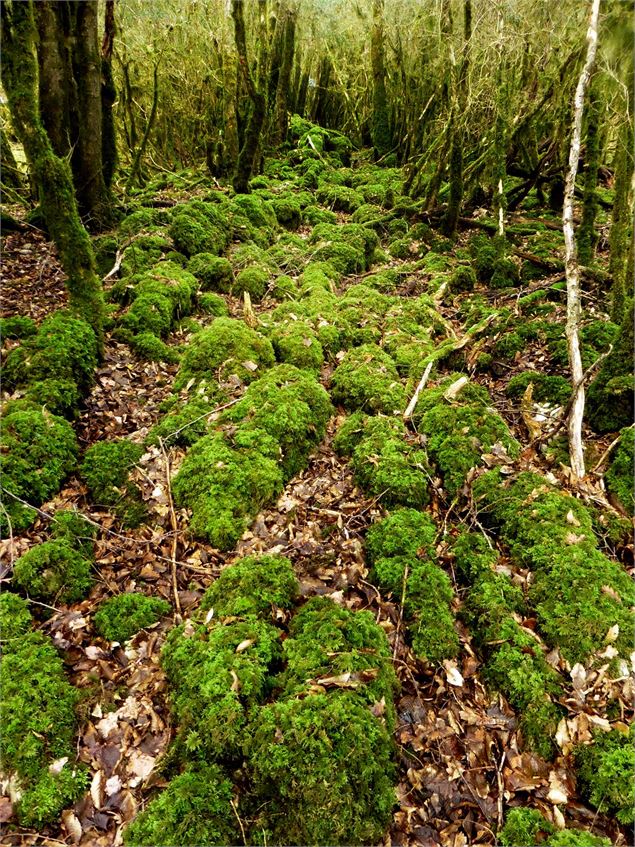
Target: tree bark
(108,97)
(52,175)
(572,269)
(11,176)
(586,233)
(380,123)
(280,117)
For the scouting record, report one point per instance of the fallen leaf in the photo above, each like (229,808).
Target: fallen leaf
(244,645)
(141,764)
(452,673)
(557,791)
(72,826)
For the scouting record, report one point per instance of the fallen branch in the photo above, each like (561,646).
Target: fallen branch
(608,451)
(415,397)
(175,527)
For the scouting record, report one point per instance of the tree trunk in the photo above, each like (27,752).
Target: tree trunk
(55,88)
(52,175)
(280,116)
(572,270)
(108,97)
(622,222)
(380,124)
(11,176)
(586,233)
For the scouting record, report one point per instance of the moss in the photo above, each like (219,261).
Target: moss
(367,379)
(291,407)
(142,219)
(506,273)
(18,326)
(213,304)
(147,346)
(605,771)
(350,433)
(150,312)
(120,617)
(199,227)
(401,248)
(194,809)
(60,396)
(577,838)
(184,425)
(105,247)
(64,348)
(348,247)
(463,279)
(214,273)
(485,254)
(106,469)
(339,198)
(74,529)
(258,212)
(460,430)
(227,347)
(387,466)
(621,471)
(610,396)
(37,712)
(287,211)
(255,585)
(15,618)
(404,533)
(524,828)
(215,685)
(39,450)
(54,571)
(297,344)
(550,389)
(253,280)
(385,281)
(225,482)
(312,789)
(284,287)
(313,215)
(143,254)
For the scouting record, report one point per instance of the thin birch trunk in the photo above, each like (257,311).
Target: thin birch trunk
(576,453)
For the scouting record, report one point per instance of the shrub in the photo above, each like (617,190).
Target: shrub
(214,273)
(367,379)
(106,469)
(120,617)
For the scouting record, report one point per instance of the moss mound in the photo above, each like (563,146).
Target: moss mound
(367,379)
(405,532)
(194,809)
(609,404)
(184,424)
(528,828)
(253,280)
(54,571)
(15,618)
(214,273)
(38,451)
(606,771)
(621,471)
(296,343)
(120,617)
(106,469)
(199,227)
(18,326)
(255,585)
(549,389)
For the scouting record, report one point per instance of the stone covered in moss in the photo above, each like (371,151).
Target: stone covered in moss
(38,451)
(199,227)
(213,304)
(15,618)
(120,617)
(255,585)
(227,347)
(214,273)
(462,279)
(323,771)
(606,773)
(506,273)
(288,211)
(184,424)
(60,396)
(367,379)
(194,809)
(550,389)
(621,471)
(460,426)
(225,481)
(339,198)
(38,717)
(54,570)
(291,407)
(150,312)
(253,280)
(72,527)
(404,533)
(297,343)
(106,469)
(142,254)
(147,346)
(609,404)
(17,326)
(64,348)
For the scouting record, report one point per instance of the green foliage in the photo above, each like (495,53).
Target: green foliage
(143,254)
(194,809)
(214,273)
(18,326)
(322,769)
(621,471)
(550,389)
(225,481)
(606,770)
(222,350)
(120,617)
(54,571)
(106,469)
(463,279)
(39,450)
(367,379)
(523,828)
(64,348)
(460,430)
(255,585)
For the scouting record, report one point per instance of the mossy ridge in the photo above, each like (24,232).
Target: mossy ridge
(460,429)
(400,549)
(106,468)
(38,715)
(552,533)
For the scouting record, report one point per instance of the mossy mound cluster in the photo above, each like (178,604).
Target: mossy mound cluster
(199,227)
(529,828)
(606,773)
(385,463)
(106,469)
(400,549)
(296,714)
(38,716)
(367,379)
(39,450)
(120,617)
(229,475)
(514,660)
(460,425)
(54,367)
(577,592)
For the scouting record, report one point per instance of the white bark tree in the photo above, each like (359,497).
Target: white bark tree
(574,424)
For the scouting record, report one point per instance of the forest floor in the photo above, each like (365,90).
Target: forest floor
(461,763)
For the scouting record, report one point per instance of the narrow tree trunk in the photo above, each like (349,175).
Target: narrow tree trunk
(141,149)
(586,233)
(380,123)
(54,75)
(11,176)
(572,270)
(52,175)
(622,222)
(108,97)
(280,116)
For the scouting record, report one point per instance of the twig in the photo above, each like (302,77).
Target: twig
(119,257)
(200,417)
(401,604)
(415,397)
(240,823)
(608,451)
(174,524)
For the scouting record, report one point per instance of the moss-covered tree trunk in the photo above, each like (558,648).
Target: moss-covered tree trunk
(108,97)
(283,90)
(621,237)
(52,175)
(11,177)
(244,166)
(380,122)
(586,234)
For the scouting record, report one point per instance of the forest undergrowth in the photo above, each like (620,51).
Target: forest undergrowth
(330,560)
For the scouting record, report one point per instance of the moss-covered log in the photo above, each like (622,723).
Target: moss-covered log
(52,175)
